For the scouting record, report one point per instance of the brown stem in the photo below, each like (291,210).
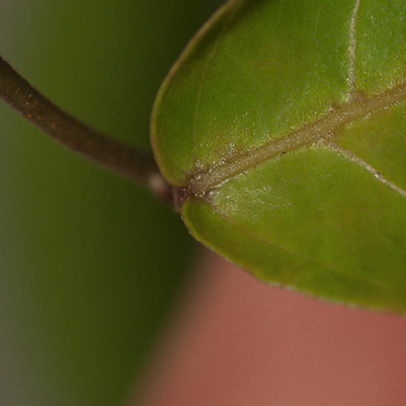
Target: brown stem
(122,159)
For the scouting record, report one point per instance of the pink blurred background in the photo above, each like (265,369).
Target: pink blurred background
(235,341)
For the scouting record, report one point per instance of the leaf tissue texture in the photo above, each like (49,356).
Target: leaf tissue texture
(283,128)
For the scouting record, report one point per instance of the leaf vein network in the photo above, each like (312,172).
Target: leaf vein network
(325,128)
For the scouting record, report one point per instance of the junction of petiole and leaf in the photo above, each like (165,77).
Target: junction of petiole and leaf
(117,157)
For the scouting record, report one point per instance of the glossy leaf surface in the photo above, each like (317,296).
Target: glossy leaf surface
(283,126)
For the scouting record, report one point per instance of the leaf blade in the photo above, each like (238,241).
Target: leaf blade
(295,149)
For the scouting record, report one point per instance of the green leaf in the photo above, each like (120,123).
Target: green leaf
(283,127)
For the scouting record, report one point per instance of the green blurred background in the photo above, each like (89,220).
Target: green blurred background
(89,263)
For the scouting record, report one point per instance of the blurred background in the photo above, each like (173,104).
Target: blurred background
(90,264)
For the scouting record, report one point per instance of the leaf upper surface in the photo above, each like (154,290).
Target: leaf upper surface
(283,122)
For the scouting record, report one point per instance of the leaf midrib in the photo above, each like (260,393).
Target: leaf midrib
(326,127)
